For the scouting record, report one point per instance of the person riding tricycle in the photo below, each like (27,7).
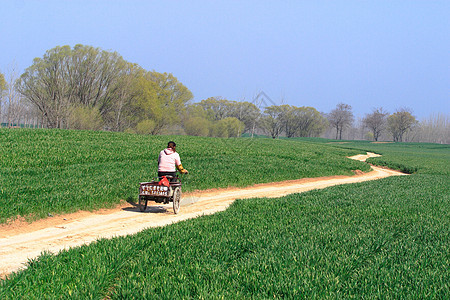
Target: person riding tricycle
(167,187)
(168,160)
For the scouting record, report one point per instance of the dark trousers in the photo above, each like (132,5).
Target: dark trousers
(173,174)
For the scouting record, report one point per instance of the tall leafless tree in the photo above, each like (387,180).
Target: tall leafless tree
(376,122)
(14,105)
(3,86)
(340,118)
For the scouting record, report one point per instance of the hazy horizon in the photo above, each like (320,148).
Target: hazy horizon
(388,54)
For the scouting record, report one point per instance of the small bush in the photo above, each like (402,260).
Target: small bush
(85,118)
(197,126)
(145,127)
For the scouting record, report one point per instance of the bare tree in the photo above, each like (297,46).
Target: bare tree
(15,105)
(400,122)
(340,118)
(376,122)
(3,87)
(434,129)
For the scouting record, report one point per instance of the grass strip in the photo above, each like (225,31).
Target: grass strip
(379,239)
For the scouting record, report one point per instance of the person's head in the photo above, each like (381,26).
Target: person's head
(171,145)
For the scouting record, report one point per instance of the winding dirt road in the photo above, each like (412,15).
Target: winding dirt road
(20,241)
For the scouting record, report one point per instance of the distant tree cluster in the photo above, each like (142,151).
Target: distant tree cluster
(374,126)
(223,118)
(89,88)
(400,126)
(292,121)
(219,117)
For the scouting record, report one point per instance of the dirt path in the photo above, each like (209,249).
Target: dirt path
(20,241)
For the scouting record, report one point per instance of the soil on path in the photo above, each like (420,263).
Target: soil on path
(21,241)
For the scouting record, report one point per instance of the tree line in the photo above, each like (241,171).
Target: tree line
(89,88)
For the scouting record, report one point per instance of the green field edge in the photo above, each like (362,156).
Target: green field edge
(371,239)
(52,172)
(386,238)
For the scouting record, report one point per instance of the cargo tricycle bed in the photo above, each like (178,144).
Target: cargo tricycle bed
(156,191)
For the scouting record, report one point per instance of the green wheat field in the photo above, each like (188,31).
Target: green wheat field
(380,239)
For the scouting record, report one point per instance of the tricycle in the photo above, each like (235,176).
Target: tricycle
(161,190)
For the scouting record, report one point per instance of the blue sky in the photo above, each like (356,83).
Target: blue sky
(305,53)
